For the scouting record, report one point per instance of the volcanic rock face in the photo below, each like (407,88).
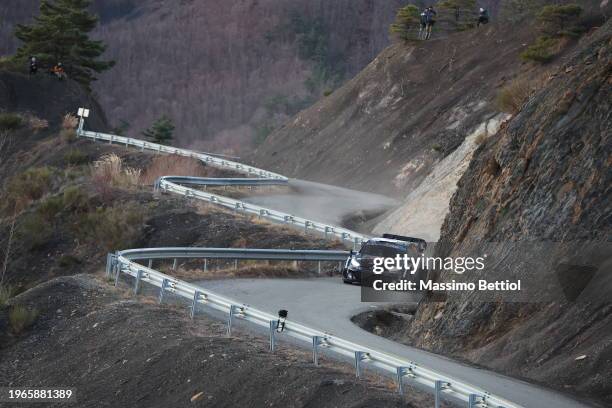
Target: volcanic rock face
(545,177)
(222,70)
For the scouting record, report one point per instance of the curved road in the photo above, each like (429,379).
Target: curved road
(322,202)
(328,304)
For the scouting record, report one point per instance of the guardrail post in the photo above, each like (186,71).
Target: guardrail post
(316,341)
(194,303)
(273,325)
(137,282)
(110,262)
(162,289)
(174,264)
(230,319)
(359,357)
(319,267)
(127,142)
(439,386)
(235,264)
(117,275)
(150,263)
(205,264)
(401,372)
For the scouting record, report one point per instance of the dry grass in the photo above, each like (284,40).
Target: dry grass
(37,124)
(246,269)
(69,121)
(515,95)
(109,171)
(172,165)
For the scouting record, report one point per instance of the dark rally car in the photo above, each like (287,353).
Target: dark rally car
(361,263)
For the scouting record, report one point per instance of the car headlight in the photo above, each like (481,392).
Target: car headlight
(355,263)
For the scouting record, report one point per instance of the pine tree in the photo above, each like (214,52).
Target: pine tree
(560,21)
(161,131)
(60,34)
(406,25)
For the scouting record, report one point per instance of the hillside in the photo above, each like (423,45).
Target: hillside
(155,356)
(544,178)
(412,106)
(59,216)
(228,73)
(58,210)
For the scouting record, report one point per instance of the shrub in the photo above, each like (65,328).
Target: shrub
(10,121)
(328,92)
(29,185)
(35,231)
(543,51)
(75,157)
(12,64)
(20,318)
(69,121)
(174,165)
(6,292)
(436,147)
(560,20)
(75,199)
(406,23)
(513,96)
(50,207)
(112,228)
(37,124)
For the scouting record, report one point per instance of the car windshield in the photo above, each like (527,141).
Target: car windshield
(382,251)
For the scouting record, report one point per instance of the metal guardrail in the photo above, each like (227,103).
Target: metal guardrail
(177,184)
(124,262)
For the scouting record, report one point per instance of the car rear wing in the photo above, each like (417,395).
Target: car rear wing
(420,242)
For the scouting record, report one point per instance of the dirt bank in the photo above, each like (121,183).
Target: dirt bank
(155,356)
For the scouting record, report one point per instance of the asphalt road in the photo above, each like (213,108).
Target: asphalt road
(322,202)
(327,304)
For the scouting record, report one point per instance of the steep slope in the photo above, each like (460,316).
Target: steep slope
(544,177)
(223,71)
(411,107)
(46,97)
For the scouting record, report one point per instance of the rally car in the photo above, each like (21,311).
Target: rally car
(361,263)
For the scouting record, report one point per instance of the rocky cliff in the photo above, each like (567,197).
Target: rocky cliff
(544,177)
